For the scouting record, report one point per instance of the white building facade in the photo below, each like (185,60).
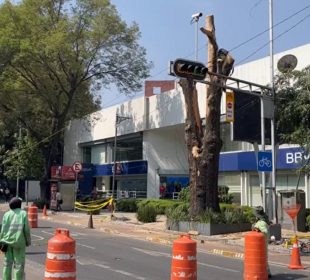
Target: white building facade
(151,149)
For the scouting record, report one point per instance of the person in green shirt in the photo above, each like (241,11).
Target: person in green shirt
(15,232)
(262,225)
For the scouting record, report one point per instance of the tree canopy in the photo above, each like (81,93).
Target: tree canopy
(55,56)
(293,108)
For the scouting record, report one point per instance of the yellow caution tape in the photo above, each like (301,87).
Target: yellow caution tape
(94,207)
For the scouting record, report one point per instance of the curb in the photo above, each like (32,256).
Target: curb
(230,254)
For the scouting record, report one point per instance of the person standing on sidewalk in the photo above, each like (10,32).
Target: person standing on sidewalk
(15,232)
(59,201)
(262,225)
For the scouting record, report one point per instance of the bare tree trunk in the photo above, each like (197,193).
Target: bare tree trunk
(193,140)
(204,146)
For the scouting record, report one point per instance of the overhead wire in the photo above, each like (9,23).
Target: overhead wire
(243,43)
(234,48)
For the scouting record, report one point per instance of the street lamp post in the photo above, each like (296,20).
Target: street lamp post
(272,122)
(195,18)
(118,120)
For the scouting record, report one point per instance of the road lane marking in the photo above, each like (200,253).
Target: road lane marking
(134,276)
(152,253)
(160,254)
(38,237)
(49,233)
(219,267)
(83,245)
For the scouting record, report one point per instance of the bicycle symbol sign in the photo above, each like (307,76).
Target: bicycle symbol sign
(264,162)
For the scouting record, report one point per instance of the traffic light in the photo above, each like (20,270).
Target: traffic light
(189,69)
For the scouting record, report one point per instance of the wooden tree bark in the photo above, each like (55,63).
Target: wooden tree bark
(212,142)
(193,140)
(204,145)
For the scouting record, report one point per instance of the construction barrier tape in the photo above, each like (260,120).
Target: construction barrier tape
(93,205)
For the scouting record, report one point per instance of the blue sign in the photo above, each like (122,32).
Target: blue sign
(264,162)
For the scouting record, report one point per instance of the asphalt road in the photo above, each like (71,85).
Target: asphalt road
(105,256)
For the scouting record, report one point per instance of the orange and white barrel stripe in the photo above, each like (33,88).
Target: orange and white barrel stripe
(184,260)
(33,216)
(60,259)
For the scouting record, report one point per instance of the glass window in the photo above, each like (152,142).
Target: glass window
(87,154)
(228,145)
(99,153)
(129,149)
(231,180)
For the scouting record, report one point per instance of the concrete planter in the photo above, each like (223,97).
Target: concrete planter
(207,229)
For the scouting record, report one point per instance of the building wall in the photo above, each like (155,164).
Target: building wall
(166,154)
(101,125)
(161,118)
(258,71)
(157,87)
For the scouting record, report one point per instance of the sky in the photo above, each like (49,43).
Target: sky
(167,34)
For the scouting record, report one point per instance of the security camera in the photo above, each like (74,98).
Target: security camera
(197,15)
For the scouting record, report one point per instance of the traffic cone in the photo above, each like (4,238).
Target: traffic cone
(90,221)
(44,211)
(295,257)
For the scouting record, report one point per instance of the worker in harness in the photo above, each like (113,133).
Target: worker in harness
(15,232)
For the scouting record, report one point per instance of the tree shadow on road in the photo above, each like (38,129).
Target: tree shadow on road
(35,253)
(289,276)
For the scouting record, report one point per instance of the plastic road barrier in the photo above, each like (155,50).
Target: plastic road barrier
(184,259)
(33,216)
(255,257)
(60,261)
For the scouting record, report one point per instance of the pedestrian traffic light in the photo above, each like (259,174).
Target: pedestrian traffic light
(189,69)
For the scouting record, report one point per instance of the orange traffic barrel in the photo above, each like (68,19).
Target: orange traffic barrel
(255,256)
(184,259)
(33,216)
(60,261)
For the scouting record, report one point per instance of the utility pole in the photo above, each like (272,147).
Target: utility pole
(17,179)
(118,120)
(195,18)
(272,121)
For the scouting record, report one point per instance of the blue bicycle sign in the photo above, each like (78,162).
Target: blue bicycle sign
(264,162)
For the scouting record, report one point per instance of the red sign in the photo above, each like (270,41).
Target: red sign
(77,166)
(56,172)
(62,173)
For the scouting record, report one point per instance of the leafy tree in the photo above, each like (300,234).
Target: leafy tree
(24,160)
(54,57)
(293,109)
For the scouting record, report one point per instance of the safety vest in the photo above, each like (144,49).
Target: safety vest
(15,229)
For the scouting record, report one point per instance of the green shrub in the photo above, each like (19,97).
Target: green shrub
(224,196)
(40,202)
(235,216)
(184,195)
(248,214)
(146,213)
(160,204)
(127,205)
(226,206)
(178,212)
(211,217)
